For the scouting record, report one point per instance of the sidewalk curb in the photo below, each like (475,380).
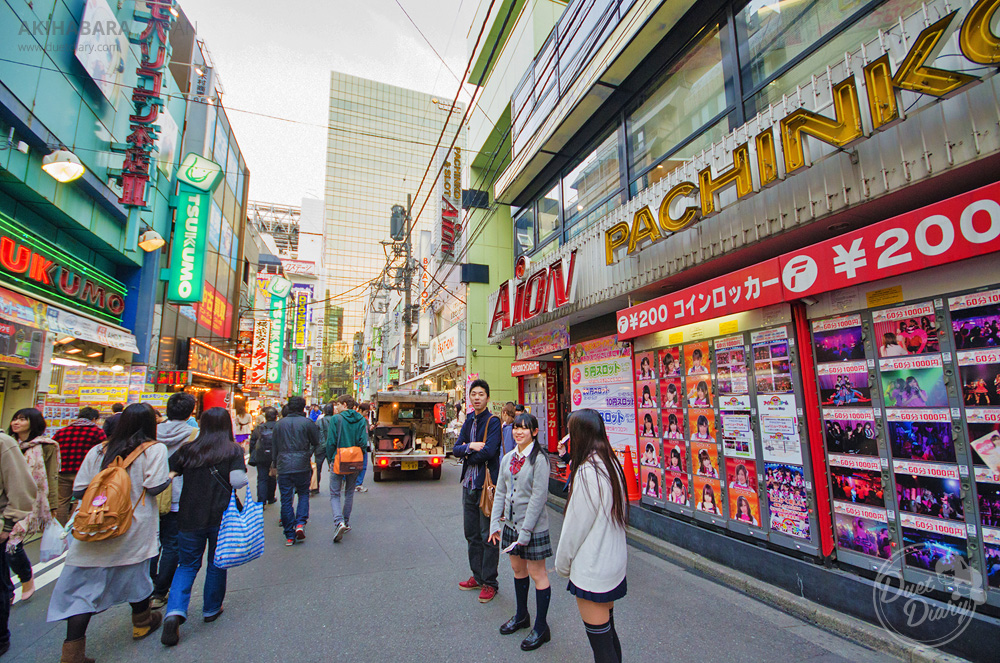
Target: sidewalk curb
(831,620)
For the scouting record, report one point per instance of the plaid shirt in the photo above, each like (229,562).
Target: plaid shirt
(75,441)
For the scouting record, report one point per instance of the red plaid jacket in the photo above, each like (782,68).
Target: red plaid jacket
(75,441)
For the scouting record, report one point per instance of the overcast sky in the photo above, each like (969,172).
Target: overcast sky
(276,58)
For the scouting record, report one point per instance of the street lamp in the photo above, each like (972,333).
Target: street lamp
(63,165)
(151,241)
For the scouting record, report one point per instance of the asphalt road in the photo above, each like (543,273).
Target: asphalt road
(389,592)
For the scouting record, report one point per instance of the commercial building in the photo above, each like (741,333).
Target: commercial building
(761,239)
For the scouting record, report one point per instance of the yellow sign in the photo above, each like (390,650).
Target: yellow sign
(675,338)
(729,327)
(884,296)
(103,394)
(978,44)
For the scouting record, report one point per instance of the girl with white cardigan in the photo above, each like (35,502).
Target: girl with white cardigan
(519,510)
(592,550)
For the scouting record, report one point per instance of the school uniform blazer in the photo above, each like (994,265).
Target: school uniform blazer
(527,491)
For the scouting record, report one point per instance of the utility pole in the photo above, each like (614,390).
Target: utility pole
(407,285)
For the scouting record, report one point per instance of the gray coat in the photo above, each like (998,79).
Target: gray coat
(528,491)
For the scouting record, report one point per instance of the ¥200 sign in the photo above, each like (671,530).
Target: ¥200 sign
(778,149)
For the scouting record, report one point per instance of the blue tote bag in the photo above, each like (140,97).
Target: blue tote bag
(241,535)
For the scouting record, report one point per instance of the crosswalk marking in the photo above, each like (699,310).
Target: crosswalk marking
(44,574)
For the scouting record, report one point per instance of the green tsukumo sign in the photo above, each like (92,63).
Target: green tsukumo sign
(197,178)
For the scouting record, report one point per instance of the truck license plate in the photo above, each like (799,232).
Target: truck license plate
(409,465)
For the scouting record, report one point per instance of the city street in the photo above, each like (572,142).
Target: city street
(389,592)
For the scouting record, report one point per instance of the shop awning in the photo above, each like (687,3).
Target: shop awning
(431,373)
(40,315)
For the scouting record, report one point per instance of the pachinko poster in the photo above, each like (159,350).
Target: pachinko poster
(603,368)
(908,330)
(862,529)
(744,505)
(649,482)
(934,545)
(787,500)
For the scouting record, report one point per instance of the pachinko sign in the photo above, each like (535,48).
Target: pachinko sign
(601,380)
(865,98)
(531,293)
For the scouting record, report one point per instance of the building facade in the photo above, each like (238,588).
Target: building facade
(758,238)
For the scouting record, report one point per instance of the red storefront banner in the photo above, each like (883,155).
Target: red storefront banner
(743,290)
(552,406)
(961,227)
(215,313)
(519,368)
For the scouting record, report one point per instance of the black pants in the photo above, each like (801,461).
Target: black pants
(169,557)
(483,556)
(19,564)
(319,470)
(267,486)
(6,595)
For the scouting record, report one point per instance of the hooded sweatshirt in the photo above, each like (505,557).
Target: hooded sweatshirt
(174,434)
(347,429)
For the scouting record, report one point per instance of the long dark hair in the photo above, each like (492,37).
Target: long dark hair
(215,442)
(529,421)
(36,423)
(588,437)
(136,425)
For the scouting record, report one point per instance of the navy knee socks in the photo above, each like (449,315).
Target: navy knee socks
(602,642)
(542,597)
(521,587)
(614,633)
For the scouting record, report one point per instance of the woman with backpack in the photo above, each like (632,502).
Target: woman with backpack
(107,563)
(212,466)
(592,551)
(519,511)
(27,427)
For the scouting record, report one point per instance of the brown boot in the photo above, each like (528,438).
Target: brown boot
(145,623)
(73,651)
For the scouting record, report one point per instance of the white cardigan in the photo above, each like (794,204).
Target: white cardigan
(592,549)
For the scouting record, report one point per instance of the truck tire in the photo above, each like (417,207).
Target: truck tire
(377,476)
(435,473)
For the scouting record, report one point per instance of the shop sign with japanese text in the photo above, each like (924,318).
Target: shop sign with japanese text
(211,363)
(258,356)
(299,321)
(521,368)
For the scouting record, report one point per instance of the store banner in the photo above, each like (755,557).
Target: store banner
(300,371)
(300,336)
(21,346)
(244,341)
(258,354)
(187,251)
(448,346)
(214,312)
(276,343)
(542,341)
(601,379)
(209,362)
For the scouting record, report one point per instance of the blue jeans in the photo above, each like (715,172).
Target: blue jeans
(361,474)
(346,483)
(169,555)
(191,546)
(291,484)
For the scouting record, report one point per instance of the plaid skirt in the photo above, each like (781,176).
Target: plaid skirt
(538,548)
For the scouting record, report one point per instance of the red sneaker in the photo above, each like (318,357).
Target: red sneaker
(469,584)
(487,593)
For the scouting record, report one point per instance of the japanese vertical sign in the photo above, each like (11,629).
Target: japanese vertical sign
(198,177)
(276,344)
(258,355)
(300,337)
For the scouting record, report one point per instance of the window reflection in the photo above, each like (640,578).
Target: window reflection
(597,176)
(548,214)
(524,231)
(668,164)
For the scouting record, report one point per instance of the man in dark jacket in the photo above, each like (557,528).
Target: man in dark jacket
(262,456)
(349,428)
(75,441)
(112,421)
(295,440)
(478,446)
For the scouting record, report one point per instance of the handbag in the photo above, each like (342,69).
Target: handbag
(241,534)
(489,489)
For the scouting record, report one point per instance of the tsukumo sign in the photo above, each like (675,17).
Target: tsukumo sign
(197,177)
(777,148)
(527,296)
(961,227)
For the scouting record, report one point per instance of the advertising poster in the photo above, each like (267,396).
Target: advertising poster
(980,374)
(644,366)
(258,358)
(737,434)
(675,456)
(838,339)
(844,384)
(771,363)
(862,529)
(705,459)
(20,346)
(604,397)
(673,425)
(929,489)
(991,548)
(607,364)
(975,320)
(850,431)
(731,365)
(649,456)
(300,319)
(856,479)
(696,358)
(744,505)
(701,423)
(934,545)
(913,382)
(670,362)
(646,393)
(908,330)
(984,436)
(699,391)
(779,428)
(787,500)
(676,489)
(707,495)
(649,482)
(920,434)
(670,392)
(647,423)
(101,50)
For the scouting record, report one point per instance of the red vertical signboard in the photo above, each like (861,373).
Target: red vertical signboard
(552,405)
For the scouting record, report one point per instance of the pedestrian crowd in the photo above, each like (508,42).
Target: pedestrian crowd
(140,502)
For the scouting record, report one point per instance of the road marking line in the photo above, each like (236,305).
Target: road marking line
(43,573)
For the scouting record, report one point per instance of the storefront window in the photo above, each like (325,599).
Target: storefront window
(524,231)
(548,214)
(681,156)
(691,93)
(775,33)
(597,176)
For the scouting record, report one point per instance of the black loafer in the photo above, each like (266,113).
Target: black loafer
(512,625)
(535,640)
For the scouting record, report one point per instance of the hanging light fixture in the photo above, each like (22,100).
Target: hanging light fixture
(151,241)
(63,165)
